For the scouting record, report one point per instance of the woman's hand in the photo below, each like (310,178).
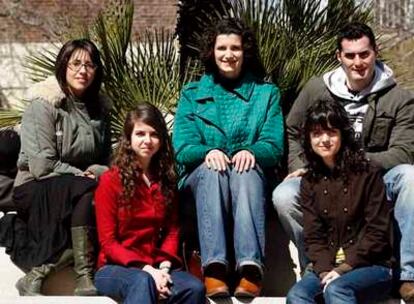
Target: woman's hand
(243,161)
(330,276)
(217,160)
(87,174)
(162,280)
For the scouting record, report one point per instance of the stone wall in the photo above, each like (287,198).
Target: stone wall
(29,25)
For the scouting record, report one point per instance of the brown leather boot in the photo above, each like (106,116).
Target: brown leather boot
(216,288)
(407,291)
(250,284)
(215,280)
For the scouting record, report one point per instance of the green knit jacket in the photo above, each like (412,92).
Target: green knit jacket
(247,117)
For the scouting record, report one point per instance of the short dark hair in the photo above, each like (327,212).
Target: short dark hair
(251,57)
(92,92)
(353,31)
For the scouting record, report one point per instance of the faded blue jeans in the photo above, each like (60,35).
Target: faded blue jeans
(361,285)
(219,195)
(399,185)
(133,285)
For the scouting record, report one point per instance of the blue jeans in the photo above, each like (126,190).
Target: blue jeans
(399,185)
(219,194)
(133,285)
(361,285)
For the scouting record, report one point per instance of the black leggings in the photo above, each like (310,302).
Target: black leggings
(83,212)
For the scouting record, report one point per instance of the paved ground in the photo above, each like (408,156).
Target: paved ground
(9,274)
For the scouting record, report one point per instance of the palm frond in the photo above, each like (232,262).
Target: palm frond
(11,117)
(296,38)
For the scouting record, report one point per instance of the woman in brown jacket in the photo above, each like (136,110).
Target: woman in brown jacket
(347,220)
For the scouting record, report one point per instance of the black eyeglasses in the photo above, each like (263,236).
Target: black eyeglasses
(77,65)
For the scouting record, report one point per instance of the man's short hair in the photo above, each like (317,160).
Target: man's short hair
(353,31)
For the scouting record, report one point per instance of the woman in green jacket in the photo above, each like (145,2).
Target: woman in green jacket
(228,128)
(64,146)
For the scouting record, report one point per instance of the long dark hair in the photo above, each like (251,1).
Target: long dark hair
(251,59)
(330,115)
(91,95)
(162,166)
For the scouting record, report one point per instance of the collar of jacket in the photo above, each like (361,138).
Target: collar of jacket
(49,91)
(207,87)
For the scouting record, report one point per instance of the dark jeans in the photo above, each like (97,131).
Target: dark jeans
(133,285)
(361,285)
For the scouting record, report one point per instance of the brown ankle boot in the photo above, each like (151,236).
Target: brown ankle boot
(216,288)
(407,291)
(250,284)
(215,280)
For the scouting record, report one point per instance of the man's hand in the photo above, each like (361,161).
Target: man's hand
(298,173)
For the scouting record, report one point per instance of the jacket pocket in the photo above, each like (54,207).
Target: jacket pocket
(380,134)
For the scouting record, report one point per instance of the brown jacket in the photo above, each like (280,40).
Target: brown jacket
(356,217)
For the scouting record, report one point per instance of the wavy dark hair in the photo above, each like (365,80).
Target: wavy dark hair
(351,158)
(162,166)
(251,57)
(91,95)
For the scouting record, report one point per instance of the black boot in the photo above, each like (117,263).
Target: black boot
(83,254)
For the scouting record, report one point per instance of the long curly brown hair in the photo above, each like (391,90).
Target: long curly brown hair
(162,166)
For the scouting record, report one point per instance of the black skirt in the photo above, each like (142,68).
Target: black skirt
(40,231)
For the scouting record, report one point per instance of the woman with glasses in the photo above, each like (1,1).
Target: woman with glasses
(65,145)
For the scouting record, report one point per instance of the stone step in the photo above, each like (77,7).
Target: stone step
(56,300)
(105,300)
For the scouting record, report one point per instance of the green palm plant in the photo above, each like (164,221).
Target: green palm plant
(296,38)
(135,71)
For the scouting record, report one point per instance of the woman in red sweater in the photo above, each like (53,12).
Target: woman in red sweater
(137,220)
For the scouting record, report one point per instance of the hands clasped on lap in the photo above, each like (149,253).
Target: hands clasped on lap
(162,280)
(219,161)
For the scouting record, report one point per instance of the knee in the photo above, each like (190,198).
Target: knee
(401,174)
(336,291)
(142,278)
(196,288)
(297,295)
(293,296)
(247,182)
(284,198)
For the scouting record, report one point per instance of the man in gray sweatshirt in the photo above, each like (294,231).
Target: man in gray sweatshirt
(382,114)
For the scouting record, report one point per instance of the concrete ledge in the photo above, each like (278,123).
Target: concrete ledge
(56,300)
(277,300)
(105,300)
